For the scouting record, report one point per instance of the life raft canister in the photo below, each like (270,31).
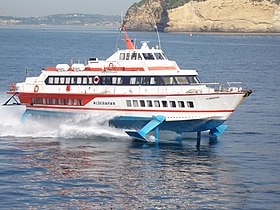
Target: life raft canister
(96,80)
(36,88)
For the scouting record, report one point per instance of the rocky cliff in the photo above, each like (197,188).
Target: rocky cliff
(205,15)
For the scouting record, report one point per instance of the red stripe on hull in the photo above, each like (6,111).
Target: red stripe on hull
(128,110)
(94,95)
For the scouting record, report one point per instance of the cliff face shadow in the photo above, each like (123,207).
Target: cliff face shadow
(163,20)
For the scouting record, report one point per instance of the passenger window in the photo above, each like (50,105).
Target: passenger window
(190,104)
(75,102)
(182,80)
(108,80)
(156,103)
(80,102)
(38,100)
(164,104)
(132,81)
(159,56)
(79,80)
(33,101)
(138,80)
(149,103)
(135,103)
(146,80)
(103,81)
(63,101)
(193,79)
(167,80)
(153,81)
(44,101)
(181,104)
(56,80)
(50,80)
(172,103)
(114,80)
(67,80)
(73,80)
(139,56)
(58,101)
(127,56)
(90,80)
(122,56)
(85,80)
(148,56)
(159,81)
(69,101)
(125,81)
(53,101)
(134,56)
(62,80)
(48,101)
(119,81)
(128,103)
(142,103)
(174,81)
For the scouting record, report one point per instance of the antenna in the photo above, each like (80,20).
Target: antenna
(120,30)
(26,71)
(159,45)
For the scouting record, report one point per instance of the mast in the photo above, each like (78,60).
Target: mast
(129,44)
(159,44)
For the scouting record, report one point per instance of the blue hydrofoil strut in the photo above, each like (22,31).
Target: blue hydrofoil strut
(153,124)
(215,132)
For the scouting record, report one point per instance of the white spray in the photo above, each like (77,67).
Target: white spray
(69,126)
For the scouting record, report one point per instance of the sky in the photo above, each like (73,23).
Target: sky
(35,8)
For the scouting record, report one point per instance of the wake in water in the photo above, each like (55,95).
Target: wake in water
(68,126)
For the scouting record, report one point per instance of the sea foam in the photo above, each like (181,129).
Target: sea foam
(64,126)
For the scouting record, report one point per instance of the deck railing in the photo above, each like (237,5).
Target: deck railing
(226,86)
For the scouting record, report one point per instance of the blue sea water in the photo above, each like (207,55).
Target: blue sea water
(82,163)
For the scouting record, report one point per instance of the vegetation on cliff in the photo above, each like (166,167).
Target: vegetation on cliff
(171,4)
(276,1)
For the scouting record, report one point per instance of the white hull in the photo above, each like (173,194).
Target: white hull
(205,106)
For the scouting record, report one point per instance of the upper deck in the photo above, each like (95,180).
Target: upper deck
(143,59)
